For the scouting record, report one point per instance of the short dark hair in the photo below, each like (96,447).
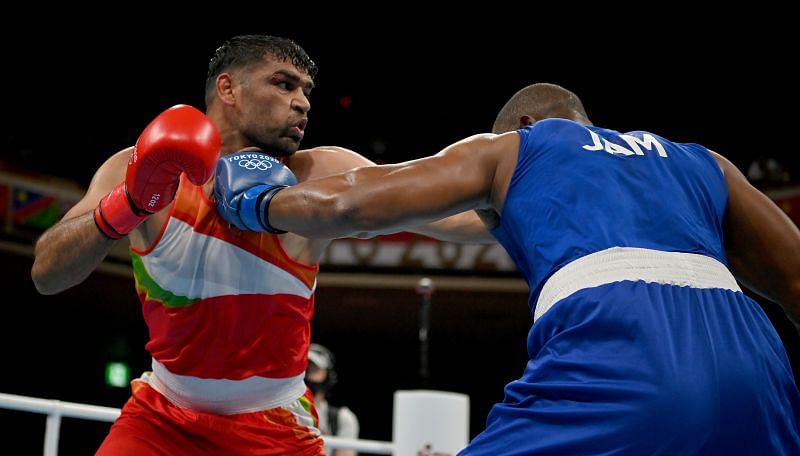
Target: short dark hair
(243,50)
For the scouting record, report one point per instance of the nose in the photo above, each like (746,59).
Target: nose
(301,103)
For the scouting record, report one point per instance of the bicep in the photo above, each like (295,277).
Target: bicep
(108,176)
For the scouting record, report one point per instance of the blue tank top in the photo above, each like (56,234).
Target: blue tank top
(580,189)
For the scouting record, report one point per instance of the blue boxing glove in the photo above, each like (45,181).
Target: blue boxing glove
(245,183)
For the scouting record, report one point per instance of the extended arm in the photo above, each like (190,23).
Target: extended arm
(762,243)
(373,200)
(464,227)
(260,186)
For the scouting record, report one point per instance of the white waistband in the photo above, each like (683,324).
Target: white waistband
(626,263)
(224,396)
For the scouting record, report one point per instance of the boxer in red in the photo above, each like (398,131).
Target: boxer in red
(228,310)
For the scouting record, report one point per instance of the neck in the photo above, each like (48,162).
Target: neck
(232,140)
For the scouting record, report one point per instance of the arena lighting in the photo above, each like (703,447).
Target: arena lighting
(118,374)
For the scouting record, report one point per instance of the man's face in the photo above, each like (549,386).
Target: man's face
(272,105)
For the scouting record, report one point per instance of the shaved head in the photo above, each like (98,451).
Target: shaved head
(537,102)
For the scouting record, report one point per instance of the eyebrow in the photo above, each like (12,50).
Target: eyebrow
(295,79)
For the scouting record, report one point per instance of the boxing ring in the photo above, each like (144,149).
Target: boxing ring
(423,421)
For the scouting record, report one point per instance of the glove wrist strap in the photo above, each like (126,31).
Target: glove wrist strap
(263,204)
(115,216)
(253,206)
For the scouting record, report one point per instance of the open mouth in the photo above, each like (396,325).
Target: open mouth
(298,130)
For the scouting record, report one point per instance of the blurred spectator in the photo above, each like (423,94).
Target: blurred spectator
(320,378)
(767,172)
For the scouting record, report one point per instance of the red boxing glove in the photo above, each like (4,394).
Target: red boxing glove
(180,140)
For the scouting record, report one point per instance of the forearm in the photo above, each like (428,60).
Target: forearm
(383,199)
(366,202)
(67,253)
(315,212)
(326,208)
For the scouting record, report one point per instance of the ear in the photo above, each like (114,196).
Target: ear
(225,89)
(524,121)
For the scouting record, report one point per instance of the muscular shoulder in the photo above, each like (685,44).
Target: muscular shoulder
(724,164)
(497,155)
(324,161)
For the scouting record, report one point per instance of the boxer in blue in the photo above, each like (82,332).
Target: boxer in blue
(632,245)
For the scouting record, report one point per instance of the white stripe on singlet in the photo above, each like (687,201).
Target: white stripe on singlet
(223,396)
(197,265)
(627,263)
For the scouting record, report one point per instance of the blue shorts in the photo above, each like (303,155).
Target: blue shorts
(644,368)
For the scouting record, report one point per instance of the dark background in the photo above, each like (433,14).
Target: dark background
(75,91)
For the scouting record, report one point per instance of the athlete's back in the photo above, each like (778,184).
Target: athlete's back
(643,342)
(577,190)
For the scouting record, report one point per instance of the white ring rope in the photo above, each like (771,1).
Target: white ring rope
(55,409)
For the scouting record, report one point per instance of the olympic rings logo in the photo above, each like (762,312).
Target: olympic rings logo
(252,164)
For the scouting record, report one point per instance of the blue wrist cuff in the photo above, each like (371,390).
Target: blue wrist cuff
(254,205)
(248,208)
(263,204)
